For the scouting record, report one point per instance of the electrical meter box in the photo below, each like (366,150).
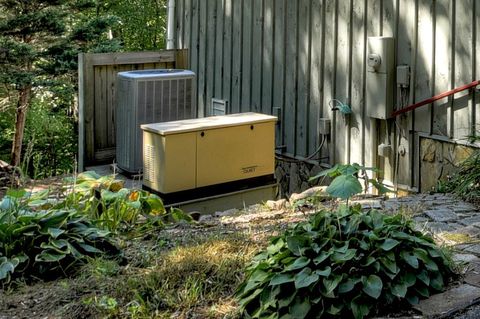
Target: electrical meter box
(217,151)
(380,77)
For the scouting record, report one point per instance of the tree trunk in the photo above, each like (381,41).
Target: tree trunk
(21,112)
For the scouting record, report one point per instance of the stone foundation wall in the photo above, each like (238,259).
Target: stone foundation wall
(439,160)
(293,176)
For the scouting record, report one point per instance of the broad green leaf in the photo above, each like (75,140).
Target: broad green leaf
(436,282)
(297,244)
(109,196)
(6,268)
(343,249)
(90,248)
(281,278)
(335,309)
(389,244)
(155,205)
(390,265)
(287,300)
(56,219)
(348,255)
(378,222)
(323,273)
(349,169)
(412,299)
(359,309)
(179,215)
(423,256)
(87,175)
(298,263)
(422,290)
(434,252)
(330,172)
(409,259)
(305,278)
(424,277)
(370,260)
(331,284)
(7,203)
(245,301)
(409,279)
(276,245)
(16,193)
(64,251)
(344,187)
(348,285)
(300,308)
(258,277)
(25,229)
(399,290)
(320,258)
(372,286)
(269,297)
(49,256)
(55,232)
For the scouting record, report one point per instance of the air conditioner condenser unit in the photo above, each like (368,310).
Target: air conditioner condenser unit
(149,96)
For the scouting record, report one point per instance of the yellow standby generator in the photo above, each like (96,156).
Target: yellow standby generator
(201,157)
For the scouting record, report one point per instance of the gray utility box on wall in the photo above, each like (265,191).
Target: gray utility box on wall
(149,96)
(380,77)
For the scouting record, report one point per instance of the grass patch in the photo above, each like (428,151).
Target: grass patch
(196,280)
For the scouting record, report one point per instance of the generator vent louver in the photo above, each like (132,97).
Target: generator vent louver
(149,96)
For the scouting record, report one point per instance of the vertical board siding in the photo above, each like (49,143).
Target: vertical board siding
(315,88)
(291,74)
(292,58)
(278,76)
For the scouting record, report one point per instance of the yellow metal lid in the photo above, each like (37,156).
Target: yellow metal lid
(207,123)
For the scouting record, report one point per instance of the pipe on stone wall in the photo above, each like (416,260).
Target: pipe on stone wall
(171,24)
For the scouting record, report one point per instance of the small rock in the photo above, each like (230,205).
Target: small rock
(276,204)
(195,215)
(228,212)
(465,258)
(205,218)
(314,191)
(448,302)
(438,227)
(463,208)
(471,220)
(420,219)
(441,215)
(473,249)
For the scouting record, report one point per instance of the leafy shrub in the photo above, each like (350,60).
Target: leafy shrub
(466,183)
(42,243)
(345,183)
(343,263)
(115,208)
(49,142)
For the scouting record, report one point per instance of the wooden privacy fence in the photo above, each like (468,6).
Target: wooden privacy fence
(97,74)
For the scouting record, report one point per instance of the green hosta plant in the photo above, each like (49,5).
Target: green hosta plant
(44,242)
(113,207)
(345,182)
(344,263)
